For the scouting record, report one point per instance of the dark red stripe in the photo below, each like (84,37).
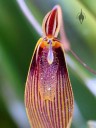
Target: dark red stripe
(51,22)
(61,87)
(46,24)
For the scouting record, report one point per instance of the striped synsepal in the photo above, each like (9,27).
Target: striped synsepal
(48,92)
(52,21)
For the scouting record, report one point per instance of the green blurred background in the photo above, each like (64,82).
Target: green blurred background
(20,28)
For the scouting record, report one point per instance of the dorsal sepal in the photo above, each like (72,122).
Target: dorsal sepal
(51,22)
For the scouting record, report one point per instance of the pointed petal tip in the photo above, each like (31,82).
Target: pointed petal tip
(57,7)
(51,23)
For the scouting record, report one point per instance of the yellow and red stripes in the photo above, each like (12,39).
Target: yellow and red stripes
(45,113)
(48,91)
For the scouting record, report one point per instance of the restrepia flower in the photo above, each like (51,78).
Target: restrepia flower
(48,92)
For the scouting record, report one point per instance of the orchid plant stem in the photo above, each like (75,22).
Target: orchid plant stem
(67,47)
